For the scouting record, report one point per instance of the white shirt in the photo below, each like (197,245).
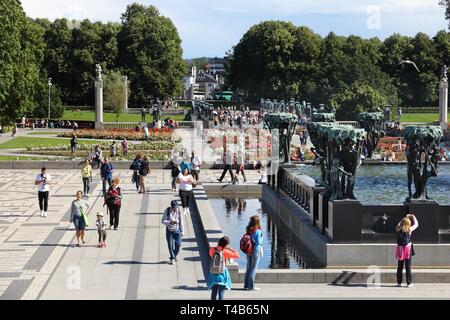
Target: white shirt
(184,182)
(196,162)
(43,187)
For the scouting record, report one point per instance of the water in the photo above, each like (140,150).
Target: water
(388,184)
(280,251)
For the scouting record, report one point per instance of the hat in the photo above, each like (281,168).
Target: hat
(173,204)
(99,214)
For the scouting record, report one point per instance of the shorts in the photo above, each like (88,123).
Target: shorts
(79,223)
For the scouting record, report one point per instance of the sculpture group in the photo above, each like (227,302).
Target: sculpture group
(422,154)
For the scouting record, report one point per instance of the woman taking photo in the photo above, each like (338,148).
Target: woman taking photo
(113,200)
(78,215)
(405,249)
(254,230)
(186,181)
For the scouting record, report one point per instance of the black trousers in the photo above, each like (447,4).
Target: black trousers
(241,171)
(226,168)
(174,184)
(101,235)
(195,174)
(114,212)
(43,200)
(185,197)
(86,185)
(407,264)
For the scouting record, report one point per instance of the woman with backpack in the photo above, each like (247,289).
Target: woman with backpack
(113,200)
(143,172)
(219,278)
(405,250)
(254,253)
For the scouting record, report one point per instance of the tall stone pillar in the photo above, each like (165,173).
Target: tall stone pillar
(98,99)
(443,99)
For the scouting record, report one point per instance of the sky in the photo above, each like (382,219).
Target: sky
(212,27)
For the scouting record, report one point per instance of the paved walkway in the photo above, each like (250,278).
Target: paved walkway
(38,259)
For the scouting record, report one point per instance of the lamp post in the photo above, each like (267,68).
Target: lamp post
(125,81)
(49,99)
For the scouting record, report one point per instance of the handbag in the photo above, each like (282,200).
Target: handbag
(85,218)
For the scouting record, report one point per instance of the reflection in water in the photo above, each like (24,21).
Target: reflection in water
(233,215)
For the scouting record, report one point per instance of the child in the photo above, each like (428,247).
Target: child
(101,227)
(219,278)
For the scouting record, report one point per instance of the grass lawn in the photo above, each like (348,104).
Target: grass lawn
(23,142)
(111,117)
(421,117)
(43,133)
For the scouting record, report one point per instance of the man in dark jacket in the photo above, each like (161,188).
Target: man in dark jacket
(106,171)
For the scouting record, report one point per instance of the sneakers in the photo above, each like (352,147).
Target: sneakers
(42,213)
(171,261)
(45,214)
(102,245)
(219,180)
(399,285)
(185,211)
(255,289)
(410,285)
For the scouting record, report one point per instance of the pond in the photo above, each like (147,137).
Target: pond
(281,251)
(388,183)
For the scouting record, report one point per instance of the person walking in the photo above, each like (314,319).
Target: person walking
(113,149)
(125,147)
(86,175)
(143,172)
(227,166)
(146,134)
(175,171)
(136,167)
(101,229)
(106,171)
(405,249)
(254,230)
(196,163)
(113,200)
(74,144)
(43,180)
(240,166)
(219,278)
(78,216)
(185,181)
(174,221)
(143,114)
(98,156)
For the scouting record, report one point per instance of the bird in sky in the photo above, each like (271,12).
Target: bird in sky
(408,62)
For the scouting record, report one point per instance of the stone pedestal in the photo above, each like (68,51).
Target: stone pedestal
(443,104)
(427,212)
(344,221)
(99,104)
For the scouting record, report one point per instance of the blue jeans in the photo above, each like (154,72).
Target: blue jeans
(218,290)
(252,266)
(173,242)
(104,181)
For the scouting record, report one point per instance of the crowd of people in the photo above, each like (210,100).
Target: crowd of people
(231,117)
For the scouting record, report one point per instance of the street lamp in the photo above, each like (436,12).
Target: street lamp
(49,100)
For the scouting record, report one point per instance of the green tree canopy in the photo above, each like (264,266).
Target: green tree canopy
(150,53)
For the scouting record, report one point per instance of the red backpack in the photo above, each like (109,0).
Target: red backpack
(246,243)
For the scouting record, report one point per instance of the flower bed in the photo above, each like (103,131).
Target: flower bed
(82,154)
(164,134)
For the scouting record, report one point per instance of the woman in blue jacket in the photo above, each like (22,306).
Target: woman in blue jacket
(254,230)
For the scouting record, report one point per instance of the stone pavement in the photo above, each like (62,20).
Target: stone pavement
(38,259)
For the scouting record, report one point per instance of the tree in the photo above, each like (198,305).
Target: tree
(150,54)
(21,53)
(446,4)
(40,108)
(356,99)
(115,93)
